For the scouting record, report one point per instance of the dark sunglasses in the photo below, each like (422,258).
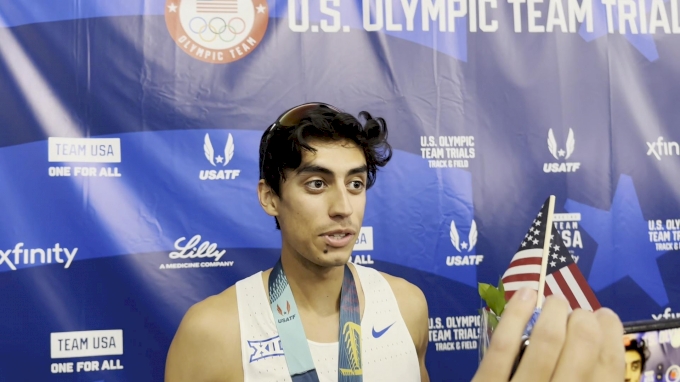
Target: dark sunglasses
(290,118)
(294,115)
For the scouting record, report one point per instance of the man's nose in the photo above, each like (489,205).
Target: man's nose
(340,203)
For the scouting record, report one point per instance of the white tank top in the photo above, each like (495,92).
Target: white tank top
(387,353)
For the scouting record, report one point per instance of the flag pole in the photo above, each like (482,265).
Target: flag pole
(546,251)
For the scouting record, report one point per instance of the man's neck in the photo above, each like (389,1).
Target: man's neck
(315,289)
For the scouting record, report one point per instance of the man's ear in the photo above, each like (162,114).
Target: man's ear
(268,199)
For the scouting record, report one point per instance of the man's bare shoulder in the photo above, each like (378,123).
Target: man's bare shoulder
(413,308)
(206,346)
(410,298)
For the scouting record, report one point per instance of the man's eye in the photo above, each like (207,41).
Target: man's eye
(315,184)
(357,185)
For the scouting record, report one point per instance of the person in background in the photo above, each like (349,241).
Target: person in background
(636,358)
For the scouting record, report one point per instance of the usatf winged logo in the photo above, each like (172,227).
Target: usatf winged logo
(552,145)
(210,152)
(561,154)
(278,308)
(455,237)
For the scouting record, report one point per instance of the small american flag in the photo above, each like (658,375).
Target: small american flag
(525,266)
(562,274)
(564,278)
(217,6)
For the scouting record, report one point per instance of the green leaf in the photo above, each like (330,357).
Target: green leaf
(496,302)
(483,290)
(493,321)
(494,297)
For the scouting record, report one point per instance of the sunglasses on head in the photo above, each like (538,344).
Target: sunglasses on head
(290,118)
(293,116)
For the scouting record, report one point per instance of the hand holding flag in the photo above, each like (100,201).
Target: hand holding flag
(543,263)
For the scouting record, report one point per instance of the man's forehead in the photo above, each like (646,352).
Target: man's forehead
(338,158)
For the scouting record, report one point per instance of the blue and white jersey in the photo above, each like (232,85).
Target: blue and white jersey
(387,351)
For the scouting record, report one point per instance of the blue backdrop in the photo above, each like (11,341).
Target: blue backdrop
(129,134)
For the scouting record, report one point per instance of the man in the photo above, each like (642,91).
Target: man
(316,317)
(636,359)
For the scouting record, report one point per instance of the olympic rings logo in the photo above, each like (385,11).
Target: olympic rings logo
(217,26)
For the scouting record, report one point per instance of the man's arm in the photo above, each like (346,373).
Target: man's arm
(206,346)
(413,308)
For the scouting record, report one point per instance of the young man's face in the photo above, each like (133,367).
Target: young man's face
(633,366)
(322,203)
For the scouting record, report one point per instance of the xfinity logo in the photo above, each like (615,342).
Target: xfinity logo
(20,255)
(661,148)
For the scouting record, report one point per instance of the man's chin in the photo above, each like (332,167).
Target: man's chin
(335,257)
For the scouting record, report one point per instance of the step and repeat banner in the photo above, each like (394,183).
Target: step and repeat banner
(129,135)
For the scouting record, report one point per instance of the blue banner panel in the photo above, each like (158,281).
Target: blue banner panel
(129,134)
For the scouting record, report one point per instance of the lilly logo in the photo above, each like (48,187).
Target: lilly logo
(192,249)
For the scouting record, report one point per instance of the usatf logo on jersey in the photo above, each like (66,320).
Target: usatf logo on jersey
(561,154)
(568,228)
(659,148)
(222,159)
(281,313)
(465,248)
(270,347)
(217,31)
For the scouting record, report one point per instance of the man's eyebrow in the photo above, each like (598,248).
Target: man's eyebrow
(316,169)
(358,170)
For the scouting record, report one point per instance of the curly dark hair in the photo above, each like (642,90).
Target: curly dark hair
(641,347)
(281,147)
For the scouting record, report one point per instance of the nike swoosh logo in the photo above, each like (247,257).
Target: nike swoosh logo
(379,333)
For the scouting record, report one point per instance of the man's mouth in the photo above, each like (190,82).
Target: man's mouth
(338,239)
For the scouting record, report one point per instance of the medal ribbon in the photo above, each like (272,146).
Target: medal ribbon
(292,334)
